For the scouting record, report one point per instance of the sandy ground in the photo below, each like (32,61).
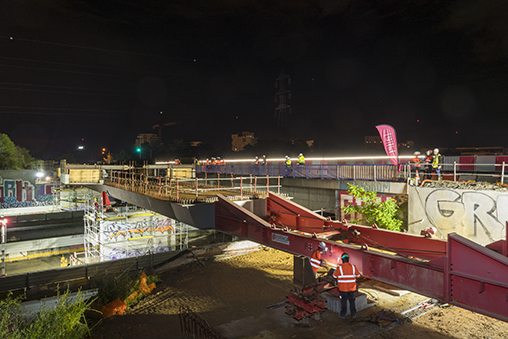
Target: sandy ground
(232,296)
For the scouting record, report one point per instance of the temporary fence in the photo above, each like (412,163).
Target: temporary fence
(195,326)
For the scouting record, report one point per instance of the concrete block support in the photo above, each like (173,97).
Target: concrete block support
(334,303)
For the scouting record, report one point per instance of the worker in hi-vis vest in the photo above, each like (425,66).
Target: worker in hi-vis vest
(346,275)
(316,259)
(301,159)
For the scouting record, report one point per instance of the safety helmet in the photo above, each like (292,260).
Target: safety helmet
(431,230)
(287,156)
(436,150)
(344,255)
(300,154)
(416,153)
(322,246)
(429,152)
(256,157)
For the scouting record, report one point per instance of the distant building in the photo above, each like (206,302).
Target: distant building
(238,142)
(374,142)
(146,138)
(407,144)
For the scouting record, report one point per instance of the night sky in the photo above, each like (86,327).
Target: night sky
(103,71)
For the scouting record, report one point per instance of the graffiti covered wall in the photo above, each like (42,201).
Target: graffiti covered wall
(136,236)
(19,189)
(477,215)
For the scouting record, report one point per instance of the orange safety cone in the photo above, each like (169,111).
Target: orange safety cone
(417,178)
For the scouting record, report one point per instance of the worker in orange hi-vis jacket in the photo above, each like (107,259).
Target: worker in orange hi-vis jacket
(316,259)
(346,275)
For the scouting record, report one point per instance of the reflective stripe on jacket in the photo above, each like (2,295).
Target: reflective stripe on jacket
(436,160)
(346,275)
(417,162)
(315,260)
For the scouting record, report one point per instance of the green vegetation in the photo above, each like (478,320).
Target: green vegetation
(373,211)
(66,320)
(14,157)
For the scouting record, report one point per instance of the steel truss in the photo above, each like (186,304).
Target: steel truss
(457,271)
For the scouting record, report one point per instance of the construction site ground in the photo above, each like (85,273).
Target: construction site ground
(232,296)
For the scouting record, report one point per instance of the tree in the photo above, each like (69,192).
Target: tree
(8,153)
(373,211)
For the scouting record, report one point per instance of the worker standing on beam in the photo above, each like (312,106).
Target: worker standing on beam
(417,164)
(436,163)
(346,275)
(288,166)
(316,260)
(301,159)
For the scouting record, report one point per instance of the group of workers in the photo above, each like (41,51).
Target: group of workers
(345,274)
(214,161)
(427,164)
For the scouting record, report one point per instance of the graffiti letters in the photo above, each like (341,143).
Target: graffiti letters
(476,215)
(345,199)
(21,193)
(120,253)
(116,230)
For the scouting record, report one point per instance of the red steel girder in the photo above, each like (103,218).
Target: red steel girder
(296,217)
(469,275)
(399,271)
(283,212)
(476,278)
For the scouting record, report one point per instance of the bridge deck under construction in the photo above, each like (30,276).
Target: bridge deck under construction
(189,191)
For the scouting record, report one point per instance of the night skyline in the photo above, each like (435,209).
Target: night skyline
(436,71)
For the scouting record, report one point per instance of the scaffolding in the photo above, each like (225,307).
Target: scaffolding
(129,232)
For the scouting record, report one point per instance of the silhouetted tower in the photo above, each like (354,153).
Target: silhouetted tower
(282,97)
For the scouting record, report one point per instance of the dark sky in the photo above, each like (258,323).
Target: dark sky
(103,70)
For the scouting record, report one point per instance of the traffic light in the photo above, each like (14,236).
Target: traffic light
(138,149)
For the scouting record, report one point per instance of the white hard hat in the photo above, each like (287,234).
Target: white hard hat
(322,246)
(301,154)
(416,153)
(436,150)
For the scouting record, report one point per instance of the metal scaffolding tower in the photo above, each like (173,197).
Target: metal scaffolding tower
(129,232)
(282,96)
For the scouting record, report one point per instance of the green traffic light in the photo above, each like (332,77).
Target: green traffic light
(138,149)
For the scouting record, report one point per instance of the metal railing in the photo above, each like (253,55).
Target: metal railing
(368,172)
(376,172)
(189,191)
(194,325)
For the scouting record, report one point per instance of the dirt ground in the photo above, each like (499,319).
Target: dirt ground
(232,296)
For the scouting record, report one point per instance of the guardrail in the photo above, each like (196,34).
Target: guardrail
(368,172)
(85,271)
(376,172)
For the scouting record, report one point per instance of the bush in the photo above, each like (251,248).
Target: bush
(373,211)
(66,320)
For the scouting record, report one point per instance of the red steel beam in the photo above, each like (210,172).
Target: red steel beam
(287,213)
(476,278)
(469,276)
(399,271)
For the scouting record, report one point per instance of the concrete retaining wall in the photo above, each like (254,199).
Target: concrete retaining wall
(477,215)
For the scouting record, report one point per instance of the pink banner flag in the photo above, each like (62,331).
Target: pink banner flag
(389,140)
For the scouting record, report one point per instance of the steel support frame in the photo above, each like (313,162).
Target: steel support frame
(467,275)
(286,213)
